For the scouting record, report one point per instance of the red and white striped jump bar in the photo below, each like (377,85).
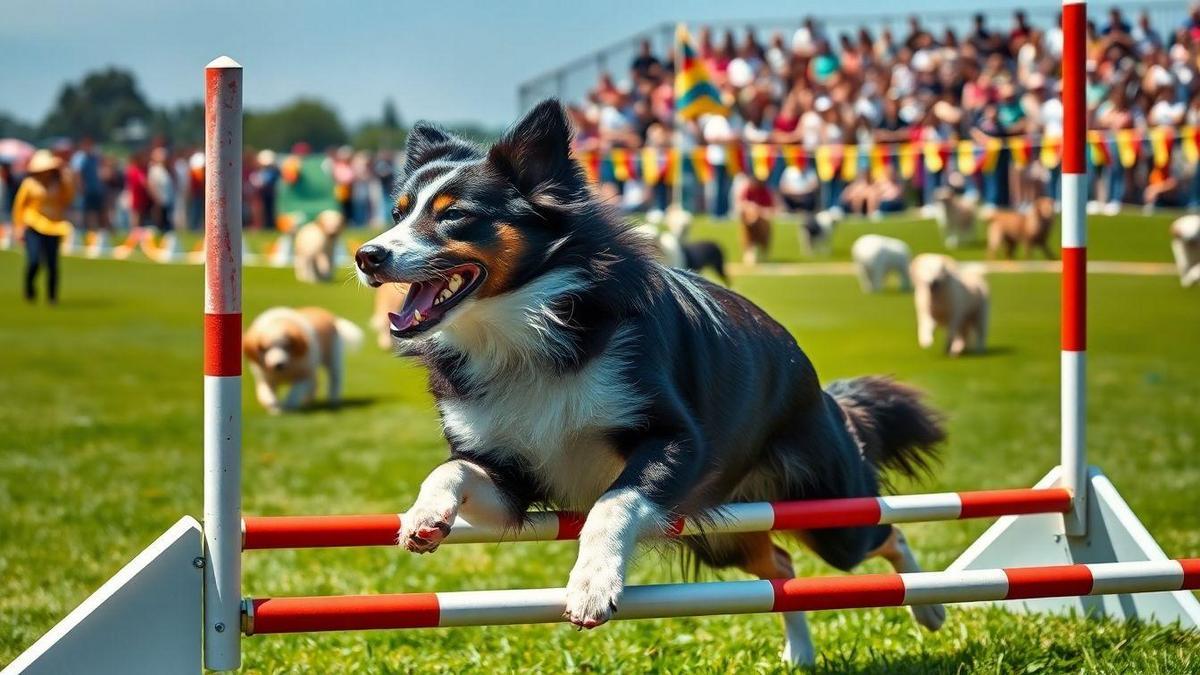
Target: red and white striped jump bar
(276,532)
(545,605)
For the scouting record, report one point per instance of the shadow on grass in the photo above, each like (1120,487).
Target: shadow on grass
(344,404)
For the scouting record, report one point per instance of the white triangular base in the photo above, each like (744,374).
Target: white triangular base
(146,619)
(1114,535)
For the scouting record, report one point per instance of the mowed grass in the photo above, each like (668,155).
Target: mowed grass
(100,451)
(1126,237)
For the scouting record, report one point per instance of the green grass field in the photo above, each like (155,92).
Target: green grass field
(100,450)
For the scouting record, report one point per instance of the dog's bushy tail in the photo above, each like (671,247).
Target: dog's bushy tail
(897,430)
(349,333)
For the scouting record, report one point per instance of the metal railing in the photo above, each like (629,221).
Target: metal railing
(573,80)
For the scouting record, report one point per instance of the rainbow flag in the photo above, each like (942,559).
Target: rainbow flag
(695,94)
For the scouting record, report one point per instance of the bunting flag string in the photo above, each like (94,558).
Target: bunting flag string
(1158,146)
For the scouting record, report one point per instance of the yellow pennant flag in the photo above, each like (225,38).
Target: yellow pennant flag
(849,162)
(966,158)
(933,157)
(620,164)
(760,160)
(1097,148)
(588,161)
(1187,139)
(1018,148)
(701,166)
(878,161)
(1160,142)
(650,168)
(907,159)
(1127,147)
(824,161)
(1050,155)
(991,154)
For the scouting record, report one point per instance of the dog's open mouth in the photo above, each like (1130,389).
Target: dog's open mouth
(428,301)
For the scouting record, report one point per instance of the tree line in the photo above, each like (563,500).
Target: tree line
(108,106)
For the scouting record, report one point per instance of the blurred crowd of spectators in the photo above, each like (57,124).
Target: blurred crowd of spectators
(812,88)
(163,188)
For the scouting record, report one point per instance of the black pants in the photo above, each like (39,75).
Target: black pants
(41,249)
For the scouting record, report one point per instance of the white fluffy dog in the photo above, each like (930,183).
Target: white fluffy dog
(1185,244)
(315,247)
(955,298)
(956,216)
(877,256)
(288,346)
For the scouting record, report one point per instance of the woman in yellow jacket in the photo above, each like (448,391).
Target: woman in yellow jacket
(39,216)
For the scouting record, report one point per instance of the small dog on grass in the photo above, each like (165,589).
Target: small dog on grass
(288,346)
(877,256)
(572,370)
(954,298)
(315,247)
(1031,229)
(955,214)
(816,232)
(1185,244)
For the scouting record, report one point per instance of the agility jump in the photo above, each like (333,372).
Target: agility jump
(1068,544)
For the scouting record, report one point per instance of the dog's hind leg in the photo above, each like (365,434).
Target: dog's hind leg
(896,551)
(767,561)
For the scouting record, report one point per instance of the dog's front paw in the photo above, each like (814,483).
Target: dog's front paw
(422,529)
(593,591)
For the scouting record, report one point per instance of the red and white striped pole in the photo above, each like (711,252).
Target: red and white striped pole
(222,363)
(545,605)
(1074,264)
(276,532)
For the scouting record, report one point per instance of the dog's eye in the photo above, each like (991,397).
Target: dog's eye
(451,215)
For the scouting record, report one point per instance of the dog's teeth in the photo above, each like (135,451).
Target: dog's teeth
(445,295)
(455,282)
(417,316)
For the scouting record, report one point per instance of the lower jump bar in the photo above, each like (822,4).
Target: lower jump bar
(545,605)
(276,532)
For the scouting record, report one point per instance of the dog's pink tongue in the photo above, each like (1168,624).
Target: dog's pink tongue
(398,321)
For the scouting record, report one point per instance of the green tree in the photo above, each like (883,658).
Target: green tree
(304,119)
(12,127)
(391,116)
(101,105)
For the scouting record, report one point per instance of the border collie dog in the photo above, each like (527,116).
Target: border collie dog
(573,371)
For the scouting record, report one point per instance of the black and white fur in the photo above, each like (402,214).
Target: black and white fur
(593,378)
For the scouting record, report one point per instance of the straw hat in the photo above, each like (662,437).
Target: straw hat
(43,160)
(266,158)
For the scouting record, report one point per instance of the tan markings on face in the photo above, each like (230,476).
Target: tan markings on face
(503,257)
(403,202)
(442,202)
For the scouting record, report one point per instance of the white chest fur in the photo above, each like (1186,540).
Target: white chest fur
(555,422)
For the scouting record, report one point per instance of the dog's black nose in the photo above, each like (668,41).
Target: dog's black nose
(371,257)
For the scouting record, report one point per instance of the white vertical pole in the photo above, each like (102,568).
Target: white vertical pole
(222,364)
(1074,265)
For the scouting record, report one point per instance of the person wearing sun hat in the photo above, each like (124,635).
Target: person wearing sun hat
(40,218)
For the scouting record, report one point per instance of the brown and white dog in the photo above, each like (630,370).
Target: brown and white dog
(955,214)
(1008,229)
(1185,245)
(572,370)
(954,298)
(315,246)
(288,346)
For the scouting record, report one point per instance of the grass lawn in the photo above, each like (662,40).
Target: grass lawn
(100,451)
(1126,237)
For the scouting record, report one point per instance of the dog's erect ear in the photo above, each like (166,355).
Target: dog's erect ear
(423,139)
(536,153)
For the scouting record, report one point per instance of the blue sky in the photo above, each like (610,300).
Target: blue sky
(440,59)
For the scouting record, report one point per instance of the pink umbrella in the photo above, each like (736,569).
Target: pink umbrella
(15,151)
